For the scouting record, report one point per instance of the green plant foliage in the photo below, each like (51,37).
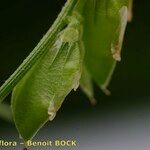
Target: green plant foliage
(6,112)
(42,47)
(83,44)
(86,85)
(40,93)
(103,33)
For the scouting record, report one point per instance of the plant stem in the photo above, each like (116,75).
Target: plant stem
(38,51)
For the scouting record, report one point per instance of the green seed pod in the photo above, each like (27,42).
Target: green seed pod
(54,67)
(87,85)
(38,96)
(104,26)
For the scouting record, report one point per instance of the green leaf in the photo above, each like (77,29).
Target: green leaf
(104,28)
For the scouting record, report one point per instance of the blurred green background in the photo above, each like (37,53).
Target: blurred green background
(24,22)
